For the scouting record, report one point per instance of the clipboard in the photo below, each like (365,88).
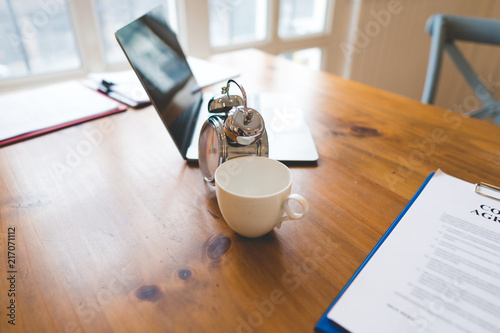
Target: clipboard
(325,325)
(488,190)
(31,113)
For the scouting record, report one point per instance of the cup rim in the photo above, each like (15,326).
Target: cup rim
(288,185)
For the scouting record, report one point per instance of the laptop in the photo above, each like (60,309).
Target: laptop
(154,52)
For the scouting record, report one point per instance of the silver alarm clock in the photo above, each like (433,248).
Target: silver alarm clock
(234,130)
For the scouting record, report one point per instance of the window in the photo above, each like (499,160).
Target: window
(302,17)
(62,38)
(38,38)
(240,23)
(237,21)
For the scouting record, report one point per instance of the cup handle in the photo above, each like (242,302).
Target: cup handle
(290,214)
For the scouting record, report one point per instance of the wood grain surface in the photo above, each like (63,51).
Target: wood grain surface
(114,232)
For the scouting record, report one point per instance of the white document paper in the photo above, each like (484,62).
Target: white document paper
(125,83)
(28,111)
(437,271)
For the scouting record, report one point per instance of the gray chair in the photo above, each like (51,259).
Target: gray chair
(445,29)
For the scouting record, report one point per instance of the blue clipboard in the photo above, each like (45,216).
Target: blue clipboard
(325,325)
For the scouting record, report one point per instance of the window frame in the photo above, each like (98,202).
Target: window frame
(193,23)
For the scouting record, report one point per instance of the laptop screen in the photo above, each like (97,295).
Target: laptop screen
(156,56)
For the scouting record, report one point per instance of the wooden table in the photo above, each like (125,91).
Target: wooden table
(114,231)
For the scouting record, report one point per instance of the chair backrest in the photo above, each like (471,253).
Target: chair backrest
(466,28)
(444,29)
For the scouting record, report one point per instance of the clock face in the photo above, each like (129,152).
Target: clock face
(209,149)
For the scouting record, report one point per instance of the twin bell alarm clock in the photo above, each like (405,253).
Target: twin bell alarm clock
(233,130)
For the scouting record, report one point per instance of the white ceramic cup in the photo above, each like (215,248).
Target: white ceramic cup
(253,194)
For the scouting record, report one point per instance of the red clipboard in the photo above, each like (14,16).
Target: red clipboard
(110,108)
